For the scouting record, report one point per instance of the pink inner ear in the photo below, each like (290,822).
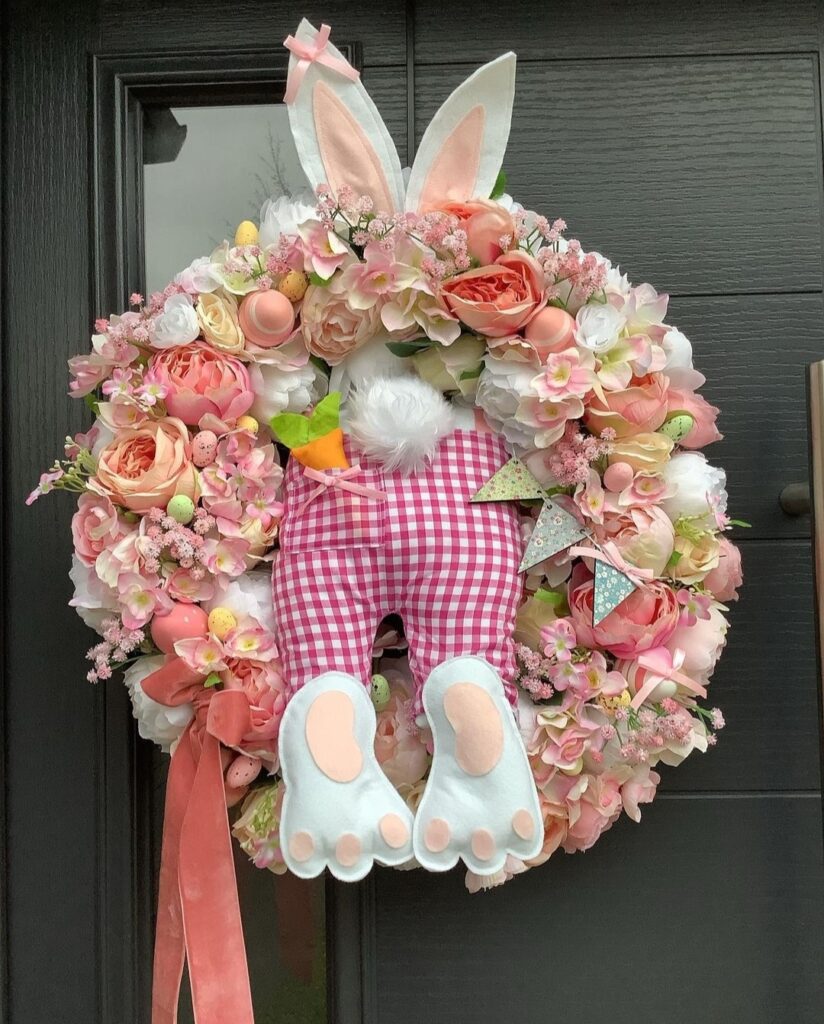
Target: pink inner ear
(347,154)
(454,170)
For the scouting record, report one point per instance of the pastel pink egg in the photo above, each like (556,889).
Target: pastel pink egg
(242,771)
(204,447)
(618,476)
(267,318)
(182,622)
(637,676)
(550,330)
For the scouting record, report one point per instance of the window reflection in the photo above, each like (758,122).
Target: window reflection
(205,170)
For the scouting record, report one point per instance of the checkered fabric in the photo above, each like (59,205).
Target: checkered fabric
(447,567)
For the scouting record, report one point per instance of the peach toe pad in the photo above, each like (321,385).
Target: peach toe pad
(523,824)
(483,844)
(437,835)
(393,830)
(301,846)
(347,850)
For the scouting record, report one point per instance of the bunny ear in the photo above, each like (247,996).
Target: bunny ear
(463,148)
(340,136)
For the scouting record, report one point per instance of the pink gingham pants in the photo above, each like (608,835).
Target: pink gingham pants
(447,567)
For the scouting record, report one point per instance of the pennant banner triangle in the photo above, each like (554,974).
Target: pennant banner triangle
(513,482)
(610,588)
(555,530)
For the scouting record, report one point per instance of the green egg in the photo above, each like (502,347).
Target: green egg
(181,509)
(380,692)
(678,426)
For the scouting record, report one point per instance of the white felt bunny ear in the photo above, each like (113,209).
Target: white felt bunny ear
(340,136)
(463,148)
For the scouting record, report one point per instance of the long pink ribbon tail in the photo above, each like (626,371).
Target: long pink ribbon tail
(343,481)
(315,52)
(661,665)
(198,917)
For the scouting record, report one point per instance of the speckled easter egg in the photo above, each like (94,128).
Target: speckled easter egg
(618,476)
(204,447)
(677,427)
(267,318)
(221,622)
(242,771)
(293,285)
(182,622)
(246,234)
(550,330)
(248,423)
(181,508)
(380,692)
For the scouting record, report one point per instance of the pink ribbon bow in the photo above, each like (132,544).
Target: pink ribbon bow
(313,53)
(342,481)
(610,554)
(661,665)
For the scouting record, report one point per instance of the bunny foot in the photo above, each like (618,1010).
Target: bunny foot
(339,810)
(480,802)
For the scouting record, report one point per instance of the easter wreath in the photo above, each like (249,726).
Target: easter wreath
(493,433)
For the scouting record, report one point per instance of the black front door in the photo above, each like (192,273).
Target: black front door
(683,143)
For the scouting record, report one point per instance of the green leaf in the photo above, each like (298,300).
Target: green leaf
(471,374)
(740,522)
(499,187)
(674,559)
(213,679)
(91,402)
(326,416)
(318,280)
(290,429)
(321,364)
(404,349)
(553,597)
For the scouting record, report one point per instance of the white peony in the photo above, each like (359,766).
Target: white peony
(284,389)
(678,367)
(597,327)
(177,324)
(501,386)
(202,275)
(93,599)
(699,489)
(283,216)
(248,597)
(156,722)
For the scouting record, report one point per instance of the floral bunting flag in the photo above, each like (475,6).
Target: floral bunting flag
(611,588)
(554,531)
(513,482)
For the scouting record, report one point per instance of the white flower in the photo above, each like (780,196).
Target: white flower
(93,599)
(698,488)
(156,722)
(597,327)
(202,275)
(284,389)
(177,324)
(248,597)
(501,386)
(678,367)
(283,216)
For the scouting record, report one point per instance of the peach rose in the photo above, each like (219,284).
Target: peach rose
(203,381)
(704,430)
(485,223)
(638,409)
(724,580)
(96,527)
(646,619)
(147,466)
(331,328)
(499,299)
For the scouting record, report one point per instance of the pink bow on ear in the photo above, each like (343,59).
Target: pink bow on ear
(311,53)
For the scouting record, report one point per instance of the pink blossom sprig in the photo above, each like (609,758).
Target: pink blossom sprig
(573,456)
(167,539)
(69,474)
(113,651)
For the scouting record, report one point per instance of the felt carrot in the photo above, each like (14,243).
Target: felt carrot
(315,440)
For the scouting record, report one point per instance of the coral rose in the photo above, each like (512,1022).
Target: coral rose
(646,619)
(331,328)
(499,299)
(485,223)
(202,381)
(638,409)
(147,466)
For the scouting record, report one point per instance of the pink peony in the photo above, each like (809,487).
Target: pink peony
(638,409)
(499,299)
(95,527)
(644,536)
(702,644)
(147,465)
(647,618)
(262,684)
(398,745)
(704,430)
(598,809)
(485,223)
(724,580)
(202,381)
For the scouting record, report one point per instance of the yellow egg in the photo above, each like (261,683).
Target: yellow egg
(293,285)
(221,622)
(248,423)
(246,234)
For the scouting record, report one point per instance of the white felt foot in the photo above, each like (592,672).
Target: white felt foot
(480,802)
(339,810)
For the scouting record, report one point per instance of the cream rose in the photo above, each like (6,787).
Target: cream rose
(455,367)
(644,452)
(331,329)
(697,558)
(217,315)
